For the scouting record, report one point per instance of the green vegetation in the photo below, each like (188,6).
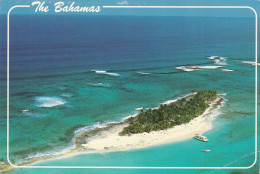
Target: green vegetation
(167,116)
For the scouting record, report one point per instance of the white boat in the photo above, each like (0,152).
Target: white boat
(205,150)
(200,137)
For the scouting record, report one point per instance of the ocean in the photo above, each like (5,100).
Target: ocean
(72,73)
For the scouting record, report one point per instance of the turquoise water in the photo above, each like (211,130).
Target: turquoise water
(54,89)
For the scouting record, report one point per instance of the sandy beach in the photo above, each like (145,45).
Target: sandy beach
(108,139)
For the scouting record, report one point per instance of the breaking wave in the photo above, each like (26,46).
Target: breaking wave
(105,72)
(194,68)
(49,102)
(106,85)
(218,60)
(227,70)
(143,73)
(250,62)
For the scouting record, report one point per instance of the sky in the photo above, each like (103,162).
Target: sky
(5,5)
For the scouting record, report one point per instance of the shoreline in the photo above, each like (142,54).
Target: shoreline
(107,138)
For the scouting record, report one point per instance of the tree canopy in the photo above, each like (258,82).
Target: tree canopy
(167,116)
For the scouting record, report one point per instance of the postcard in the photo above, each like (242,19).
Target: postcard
(129,86)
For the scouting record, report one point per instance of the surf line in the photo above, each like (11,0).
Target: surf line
(61,7)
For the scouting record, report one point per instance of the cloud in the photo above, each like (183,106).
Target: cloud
(122,2)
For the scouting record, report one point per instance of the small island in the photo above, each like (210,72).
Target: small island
(167,116)
(177,120)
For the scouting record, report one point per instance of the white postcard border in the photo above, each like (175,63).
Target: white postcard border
(122,167)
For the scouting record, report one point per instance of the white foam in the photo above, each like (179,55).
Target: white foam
(72,146)
(25,110)
(227,70)
(212,57)
(129,116)
(99,84)
(224,94)
(66,95)
(31,114)
(184,68)
(250,62)
(83,129)
(169,102)
(100,125)
(216,57)
(49,153)
(221,63)
(209,67)
(215,113)
(143,73)
(77,132)
(139,109)
(174,100)
(105,72)
(48,102)
(218,60)
(193,68)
